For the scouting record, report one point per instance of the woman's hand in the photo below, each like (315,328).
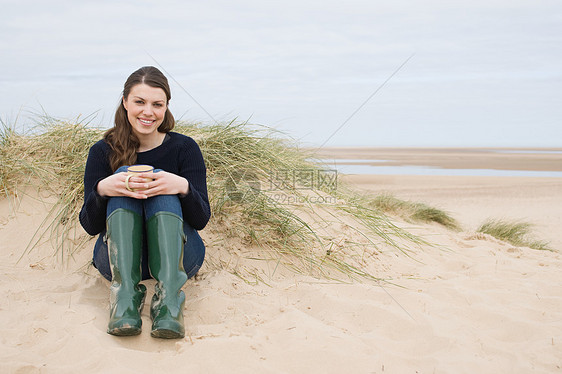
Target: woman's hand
(114,185)
(163,183)
(143,185)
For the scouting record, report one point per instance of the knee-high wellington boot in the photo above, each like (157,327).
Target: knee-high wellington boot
(165,260)
(124,243)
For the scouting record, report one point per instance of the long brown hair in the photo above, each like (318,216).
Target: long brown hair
(123,142)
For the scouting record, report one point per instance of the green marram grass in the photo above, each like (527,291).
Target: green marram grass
(517,233)
(414,211)
(51,158)
(240,159)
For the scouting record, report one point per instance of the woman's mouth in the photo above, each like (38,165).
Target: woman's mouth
(146,121)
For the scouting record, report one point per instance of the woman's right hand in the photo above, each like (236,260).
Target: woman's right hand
(114,185)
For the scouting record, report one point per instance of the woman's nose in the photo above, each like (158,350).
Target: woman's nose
(147,110)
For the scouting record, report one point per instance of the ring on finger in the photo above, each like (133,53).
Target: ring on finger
(127,182)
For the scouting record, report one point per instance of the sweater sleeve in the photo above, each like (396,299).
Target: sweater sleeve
(195,205)
(93,213)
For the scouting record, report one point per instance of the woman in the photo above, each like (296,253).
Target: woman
(147,223)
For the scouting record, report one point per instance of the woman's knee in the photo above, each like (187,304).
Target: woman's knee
(124,202)
(163,203)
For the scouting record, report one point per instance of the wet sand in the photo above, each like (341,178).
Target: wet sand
(452,158)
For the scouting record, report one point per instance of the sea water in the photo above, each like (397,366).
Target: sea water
(365,167)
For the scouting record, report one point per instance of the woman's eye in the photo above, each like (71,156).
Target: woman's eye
(139,102)
(158,105)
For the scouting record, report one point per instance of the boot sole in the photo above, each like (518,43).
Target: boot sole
(125,330)
(166,334)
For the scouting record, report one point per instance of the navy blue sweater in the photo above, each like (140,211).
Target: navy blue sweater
(179,154)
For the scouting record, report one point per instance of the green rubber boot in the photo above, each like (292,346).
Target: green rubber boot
(165,261)
(126,298)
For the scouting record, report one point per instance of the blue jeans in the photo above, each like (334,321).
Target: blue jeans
(193,250)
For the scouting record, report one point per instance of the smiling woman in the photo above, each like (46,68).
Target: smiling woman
(146,96)
(146,108)
(146,222)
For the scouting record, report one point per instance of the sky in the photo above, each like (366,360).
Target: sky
(353,73)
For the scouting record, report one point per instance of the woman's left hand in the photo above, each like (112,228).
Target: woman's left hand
(164,183)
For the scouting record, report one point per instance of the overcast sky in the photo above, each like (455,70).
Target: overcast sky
(482,73)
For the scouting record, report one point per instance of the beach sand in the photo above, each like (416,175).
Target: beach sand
(473,304)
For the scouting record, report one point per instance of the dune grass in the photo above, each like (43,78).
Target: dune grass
(414,211)
(249,167)
(517,233)
(252,171)
(50,158)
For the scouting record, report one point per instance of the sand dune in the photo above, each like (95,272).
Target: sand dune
(472,305)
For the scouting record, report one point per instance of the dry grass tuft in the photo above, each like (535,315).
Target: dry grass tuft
(413,211)
(517,233)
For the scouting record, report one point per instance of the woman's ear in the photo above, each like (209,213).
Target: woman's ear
(124,102)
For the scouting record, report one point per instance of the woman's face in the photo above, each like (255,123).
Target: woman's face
(146,107)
